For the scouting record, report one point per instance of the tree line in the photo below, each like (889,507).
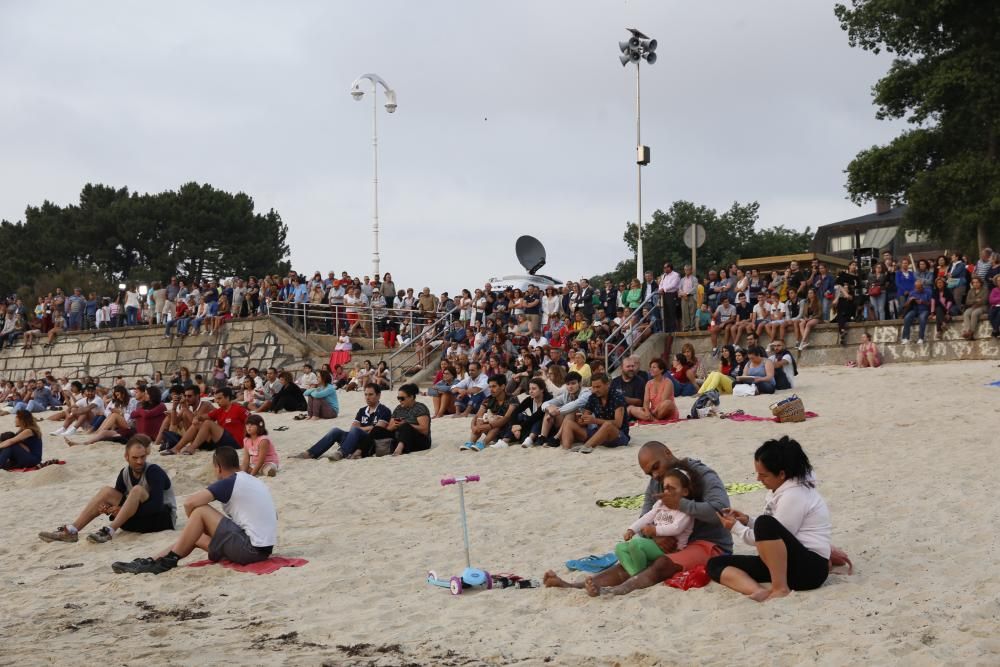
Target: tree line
(729,236)
(113,236)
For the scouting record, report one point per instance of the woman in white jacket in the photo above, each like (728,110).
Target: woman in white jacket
(792,536)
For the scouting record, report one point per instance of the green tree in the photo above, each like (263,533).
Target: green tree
(112,235)
(944,81)
(729,236)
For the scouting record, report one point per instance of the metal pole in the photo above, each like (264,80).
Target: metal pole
(375,257)
(465,525)
(638,142)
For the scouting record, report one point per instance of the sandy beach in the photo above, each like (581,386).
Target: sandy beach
(903,456)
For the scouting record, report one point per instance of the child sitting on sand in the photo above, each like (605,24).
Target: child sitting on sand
(640,549)
(259,455)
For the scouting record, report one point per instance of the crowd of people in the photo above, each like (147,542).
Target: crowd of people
(524,368)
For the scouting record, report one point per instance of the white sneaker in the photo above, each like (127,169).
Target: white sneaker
(920,341)
(528,442)
(59,431)
(499,444)
(905,341)
(70,431)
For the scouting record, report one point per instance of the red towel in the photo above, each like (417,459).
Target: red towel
(269,566)
(52,462)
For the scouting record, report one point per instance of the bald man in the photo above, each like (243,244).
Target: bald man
(709,538)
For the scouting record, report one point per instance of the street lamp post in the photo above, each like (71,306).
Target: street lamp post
(639,47)
(390,105)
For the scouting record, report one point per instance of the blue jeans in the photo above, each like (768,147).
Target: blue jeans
(182,325)
(30,406)
(878,305)
(686,389)
(349,441)
(17,456)
(196,324)
(913,314)
(131,316)
(75,321)
(472,402)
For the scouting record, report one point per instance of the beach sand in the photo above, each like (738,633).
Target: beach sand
(904,456)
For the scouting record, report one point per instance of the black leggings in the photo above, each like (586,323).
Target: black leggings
(806,569)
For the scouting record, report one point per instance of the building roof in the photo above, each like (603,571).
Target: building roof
(892,216)
(784,260)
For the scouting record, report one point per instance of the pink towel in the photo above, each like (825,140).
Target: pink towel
(269,566)
(754,418)
(50,462)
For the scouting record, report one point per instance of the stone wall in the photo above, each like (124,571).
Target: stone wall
(824,348)
(136,352)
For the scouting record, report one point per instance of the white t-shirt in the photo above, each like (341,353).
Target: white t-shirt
(541,341)
(788,367)
(248,502)
(801,510)
(777,311)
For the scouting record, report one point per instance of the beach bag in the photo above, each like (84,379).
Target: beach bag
(953,283)
(745,390)
(789,410)
(704,405)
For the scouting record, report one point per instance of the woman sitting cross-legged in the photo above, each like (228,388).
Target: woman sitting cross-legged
(321,400)
(792,537)
(658,397)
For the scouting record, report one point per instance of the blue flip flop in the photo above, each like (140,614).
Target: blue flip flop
(592,563)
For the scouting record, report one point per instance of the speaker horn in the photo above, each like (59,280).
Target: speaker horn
(648,44)
(625,58)
(650,58)
(623,47)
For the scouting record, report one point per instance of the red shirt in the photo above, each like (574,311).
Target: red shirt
(234,420)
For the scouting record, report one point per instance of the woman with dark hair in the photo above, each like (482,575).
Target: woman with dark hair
(976,301)
(410,426)
(321,400)
(943,303)
(727,359)
(24,448)
(759,371)
(792,537)
(148,416)
(682,376)
(383,378)
(290,396)
(527,421)
(117,423)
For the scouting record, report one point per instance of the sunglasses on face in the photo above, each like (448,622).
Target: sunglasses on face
(401,398)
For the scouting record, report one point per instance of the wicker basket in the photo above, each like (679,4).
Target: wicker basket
(789,410)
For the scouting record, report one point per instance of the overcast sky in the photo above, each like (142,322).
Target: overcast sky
(514,118)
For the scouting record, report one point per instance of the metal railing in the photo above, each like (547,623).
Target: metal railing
(414,355)
(627,336)
(340,319)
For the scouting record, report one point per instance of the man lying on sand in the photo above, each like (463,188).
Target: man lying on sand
(708,538)
(142,500)
(245,534)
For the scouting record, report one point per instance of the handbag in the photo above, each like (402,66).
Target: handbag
(875,290)
(952,283)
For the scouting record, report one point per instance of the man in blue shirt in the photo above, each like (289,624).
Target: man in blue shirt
(354,442)
(917,306)
(602,423)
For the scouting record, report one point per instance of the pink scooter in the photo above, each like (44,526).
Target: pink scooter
(470,576)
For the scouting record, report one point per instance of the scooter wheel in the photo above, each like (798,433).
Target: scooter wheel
(456,586)
(489,581)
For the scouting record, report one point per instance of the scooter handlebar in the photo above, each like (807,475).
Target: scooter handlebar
(459,480)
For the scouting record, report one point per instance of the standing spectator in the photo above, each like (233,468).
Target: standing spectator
(670,283)
(688,293)
(984,263)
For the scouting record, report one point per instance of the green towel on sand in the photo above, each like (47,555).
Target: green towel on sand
(635,502)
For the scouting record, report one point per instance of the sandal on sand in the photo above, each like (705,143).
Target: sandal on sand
(586,450)
(280,428)
(576,448)
(300,417)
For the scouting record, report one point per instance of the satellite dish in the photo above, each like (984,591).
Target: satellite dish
(530,252)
